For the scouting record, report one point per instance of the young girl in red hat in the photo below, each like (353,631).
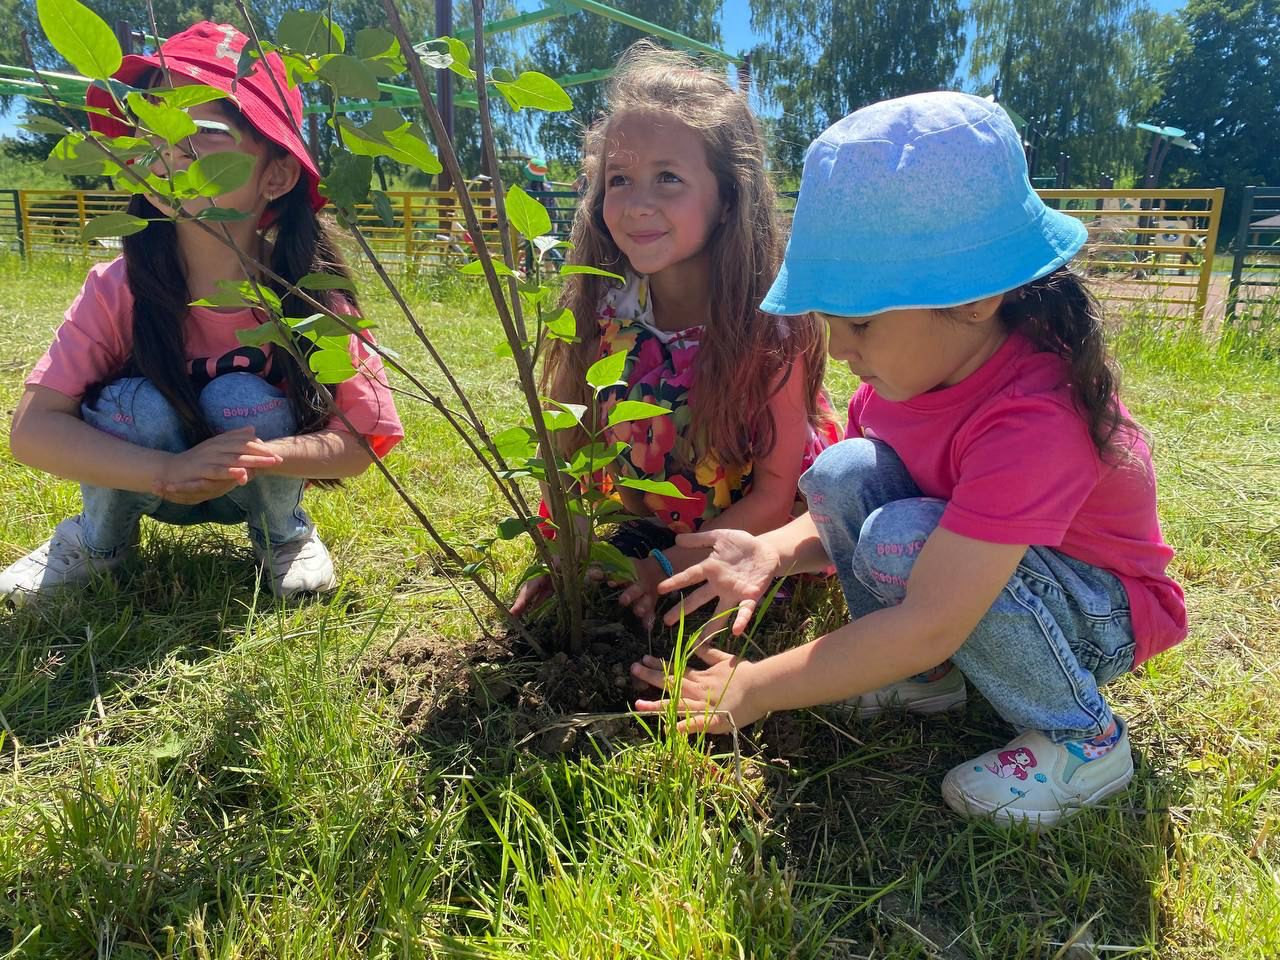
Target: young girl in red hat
(153,405)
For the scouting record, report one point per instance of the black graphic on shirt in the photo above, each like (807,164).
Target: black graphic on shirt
(240,360)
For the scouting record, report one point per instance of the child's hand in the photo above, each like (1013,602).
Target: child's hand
(738,572)
(716,700)
(531,593)
(642,595)
(212,468)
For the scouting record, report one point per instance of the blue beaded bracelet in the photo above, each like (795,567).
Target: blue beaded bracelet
(663,562)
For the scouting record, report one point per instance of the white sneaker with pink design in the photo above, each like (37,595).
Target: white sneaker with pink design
(1038,782)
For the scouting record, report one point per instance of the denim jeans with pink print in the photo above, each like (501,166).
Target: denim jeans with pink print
(134,410)
(1059,630)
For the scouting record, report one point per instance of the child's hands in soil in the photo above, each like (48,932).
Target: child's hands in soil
(719,699)
(738,573)
(642,595)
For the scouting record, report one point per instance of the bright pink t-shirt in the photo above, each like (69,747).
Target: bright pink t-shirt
(95,340)
(1011,455)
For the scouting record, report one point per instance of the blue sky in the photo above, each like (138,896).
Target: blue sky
(735,27)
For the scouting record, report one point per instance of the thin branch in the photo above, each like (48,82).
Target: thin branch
(554,481)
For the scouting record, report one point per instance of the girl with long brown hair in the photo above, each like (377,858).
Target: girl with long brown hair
(151,402)
(679,204)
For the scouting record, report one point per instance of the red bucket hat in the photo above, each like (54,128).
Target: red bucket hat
(209,53)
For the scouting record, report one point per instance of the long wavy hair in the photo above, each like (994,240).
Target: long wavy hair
(744,356)
(299,243)
(1059,314)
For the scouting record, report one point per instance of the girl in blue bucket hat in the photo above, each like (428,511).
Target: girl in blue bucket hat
(991,513)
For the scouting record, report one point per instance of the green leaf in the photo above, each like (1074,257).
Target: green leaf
(382,207)
(546,244)
(331,366)
(569,269)
(502,75)
(310,33)
(476,269)
(595,457)
(514,443)
(348,181)
(38,124)
(374,43)
(564,416)
(222,215)
(513,527)
(112,225)
(168,123)
(612,560)
(561,325)
(527,215)
(447,53)
(533,89)
(262,334)
(411,146)
(461,54)
(74,156)
(607,371)
(232,293)
(349,77)
(320,328)
(326,281)
(82,37)
(299,69)
(183,98)
(664,488)
(628,410)
(217,173)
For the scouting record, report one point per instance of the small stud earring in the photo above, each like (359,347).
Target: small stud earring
(974,315)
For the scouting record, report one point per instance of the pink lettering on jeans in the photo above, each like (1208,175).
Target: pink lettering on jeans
(257,408)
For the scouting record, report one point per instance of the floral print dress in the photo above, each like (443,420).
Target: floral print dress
(661,368)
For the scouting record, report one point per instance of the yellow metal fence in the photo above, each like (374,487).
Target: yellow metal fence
(1153,247)
(420,229)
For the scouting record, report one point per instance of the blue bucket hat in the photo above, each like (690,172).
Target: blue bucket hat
(917,202)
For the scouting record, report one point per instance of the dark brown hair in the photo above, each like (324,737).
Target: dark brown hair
(745,355)
(299,244)
(1059,314)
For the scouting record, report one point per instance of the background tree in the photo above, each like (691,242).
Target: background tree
(584,42)
(1223,87)
(824,58)
(1081,71)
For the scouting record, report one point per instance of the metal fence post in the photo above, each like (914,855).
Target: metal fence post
(1241,248)
(1210,244)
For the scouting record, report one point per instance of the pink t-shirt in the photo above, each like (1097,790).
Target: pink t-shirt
(95,340)
(1012,456)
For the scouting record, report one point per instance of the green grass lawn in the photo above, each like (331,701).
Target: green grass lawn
(189,769)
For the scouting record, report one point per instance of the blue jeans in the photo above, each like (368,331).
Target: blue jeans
(134,410)
(1059,630)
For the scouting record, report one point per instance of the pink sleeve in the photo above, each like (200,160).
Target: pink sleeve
(1025,469)
(857,403)
(94,340)
(365,399)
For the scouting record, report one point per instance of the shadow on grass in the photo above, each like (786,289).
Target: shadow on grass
(66,659)
(859,809)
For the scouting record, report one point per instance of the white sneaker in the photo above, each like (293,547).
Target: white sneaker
(915,696)
(1037,782)
(299,566)
(60,561)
